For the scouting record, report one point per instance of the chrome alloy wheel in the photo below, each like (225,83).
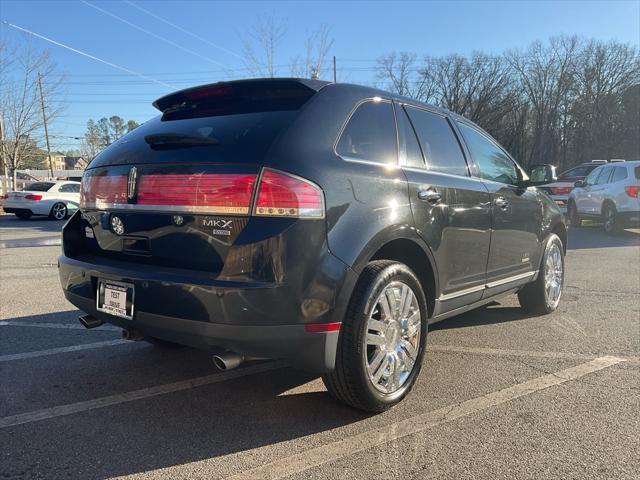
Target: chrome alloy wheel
(393,338)
(59,211)
(553,273)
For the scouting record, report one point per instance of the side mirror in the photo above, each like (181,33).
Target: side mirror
(542,174)
(580,184)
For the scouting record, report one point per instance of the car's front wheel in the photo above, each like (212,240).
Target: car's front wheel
(543,295)
(572,213)
(382,339)
(610,220)
(58,211)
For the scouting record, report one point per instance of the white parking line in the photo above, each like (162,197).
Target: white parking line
(67,326)
(54,351)
(61,410)
(331,452)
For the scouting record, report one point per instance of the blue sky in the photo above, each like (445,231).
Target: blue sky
(362,31)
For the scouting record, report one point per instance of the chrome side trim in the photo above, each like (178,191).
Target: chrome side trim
(460,293)
(496,283)
(515,278)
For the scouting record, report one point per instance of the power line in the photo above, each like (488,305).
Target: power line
(154,35)
(84,54)
(188,32)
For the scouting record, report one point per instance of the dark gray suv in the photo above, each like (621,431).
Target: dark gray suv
(326,224)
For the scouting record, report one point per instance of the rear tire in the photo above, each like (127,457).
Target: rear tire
(572,213)
(543,295)
(58,211)
(610,220)
(23,215)
(382,339)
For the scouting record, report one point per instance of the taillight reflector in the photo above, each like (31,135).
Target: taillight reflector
(632,190)
(33,197)
(224,193)
(323,327)
(284,195)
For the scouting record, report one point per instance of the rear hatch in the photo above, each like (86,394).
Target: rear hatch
(178,191)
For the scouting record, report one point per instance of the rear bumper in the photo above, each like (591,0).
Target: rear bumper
(16,210)
(256,320)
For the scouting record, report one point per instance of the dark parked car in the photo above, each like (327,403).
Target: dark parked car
(326,224)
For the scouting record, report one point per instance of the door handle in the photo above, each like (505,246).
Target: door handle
(429,195)
(501,202)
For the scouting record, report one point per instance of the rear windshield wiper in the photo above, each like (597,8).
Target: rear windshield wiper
(177,140)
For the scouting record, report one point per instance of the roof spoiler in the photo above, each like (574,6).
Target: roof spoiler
(251,87)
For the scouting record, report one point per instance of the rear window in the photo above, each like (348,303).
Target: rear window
(637,170)
(39,186)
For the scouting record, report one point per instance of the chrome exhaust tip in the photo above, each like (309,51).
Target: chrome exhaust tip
(89,321)
(227,360)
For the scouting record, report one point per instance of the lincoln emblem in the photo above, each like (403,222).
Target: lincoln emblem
(131,183)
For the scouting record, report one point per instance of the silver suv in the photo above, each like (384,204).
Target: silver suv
(610,193)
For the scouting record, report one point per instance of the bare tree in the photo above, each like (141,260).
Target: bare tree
(20,102)
(261,44)
(400,74)
(313,63)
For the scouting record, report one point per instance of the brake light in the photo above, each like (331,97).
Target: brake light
(632,190)
(222,193)
(33,197)
(284,195)
(103,191)
(560,190)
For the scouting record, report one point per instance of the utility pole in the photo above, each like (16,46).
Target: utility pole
(44,119)
(334,69)
(3,157)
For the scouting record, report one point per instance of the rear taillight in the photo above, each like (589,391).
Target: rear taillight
(278,194)
(284,195)
(632,190)
(560,190)
(222,193)
(103,191)
(33,197)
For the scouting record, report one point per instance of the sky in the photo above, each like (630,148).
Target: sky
(182,44)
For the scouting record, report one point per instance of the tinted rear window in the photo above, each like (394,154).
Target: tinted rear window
(39,186)
(439,144)
(638,172)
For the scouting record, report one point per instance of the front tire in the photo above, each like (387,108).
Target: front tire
(58,211)
(382,339)
(572,213)
(543,295)
(610,220)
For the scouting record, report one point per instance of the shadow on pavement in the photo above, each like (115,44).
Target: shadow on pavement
(592,236)
(207,422)
(489,314)
(36,224)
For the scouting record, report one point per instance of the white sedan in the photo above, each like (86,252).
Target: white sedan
(54,199)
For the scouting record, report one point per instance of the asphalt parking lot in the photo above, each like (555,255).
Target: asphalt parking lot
(501,395)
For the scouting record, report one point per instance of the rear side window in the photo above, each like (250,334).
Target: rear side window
(39,186)
(370,134)
(637,170)
(619,174)
(69,188)
(439,144)
(409,142)
(493,162)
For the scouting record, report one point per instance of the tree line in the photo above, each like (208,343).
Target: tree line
(564,101)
